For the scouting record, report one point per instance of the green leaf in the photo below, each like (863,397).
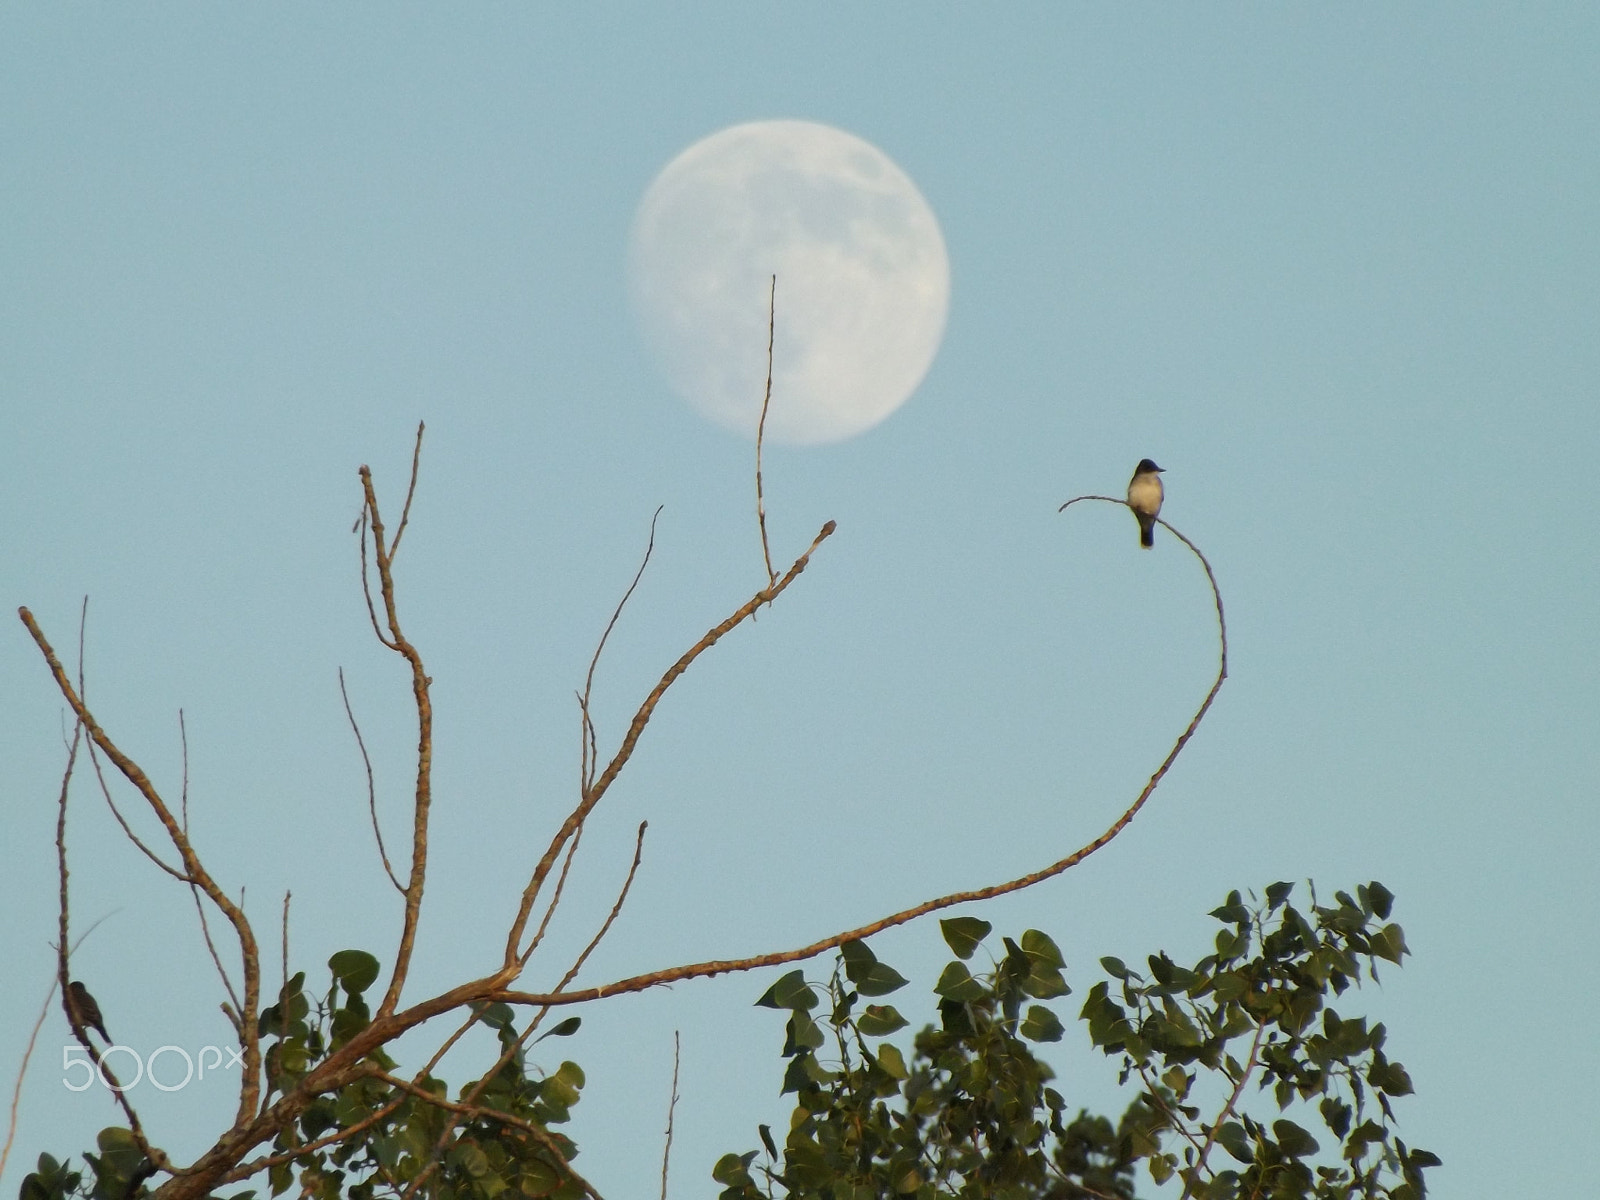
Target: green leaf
(766,1140)
(1292,1140)
(1046,984)
(356,970)
(879,1020)
(496,1015)
(804,1033)
(892,1061)
(1038,946)
(1390,1078)
(856,956)
(1377,899)
(1114,967)
(791,992)
(956,983)
(1041,1025)
(1232,1138)
(1233,912)
(1390,943)
(1161,1168)
(798,1073)
(563,1086)
(471,1159)
(566,1029)
(1277,893)
(733,1169)
(879,980)
(964,934)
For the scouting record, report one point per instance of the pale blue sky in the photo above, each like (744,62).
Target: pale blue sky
(1336,268)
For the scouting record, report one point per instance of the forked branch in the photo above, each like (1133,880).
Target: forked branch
(596,791)
(383,559)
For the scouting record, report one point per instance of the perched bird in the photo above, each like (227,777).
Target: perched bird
(1144,497)
(83,1012)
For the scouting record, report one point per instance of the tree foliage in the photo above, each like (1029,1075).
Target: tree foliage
(971,1112)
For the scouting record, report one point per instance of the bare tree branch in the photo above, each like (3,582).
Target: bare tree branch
(80,1010)
(672,1108)
(605,928)
(372,789)
(705,969)
(194,892)
(588,682)
(593,795)
(761,432)
(193,868)
(420,684)
(555,900)
(411,490)
(105,790)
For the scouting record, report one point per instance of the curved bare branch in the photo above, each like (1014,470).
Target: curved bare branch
(638,983)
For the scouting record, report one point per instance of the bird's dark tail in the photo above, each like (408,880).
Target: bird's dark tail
(1147,531)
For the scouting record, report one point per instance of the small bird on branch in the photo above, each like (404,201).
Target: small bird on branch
(83,1012)
(1144,497)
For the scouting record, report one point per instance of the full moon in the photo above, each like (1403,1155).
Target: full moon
(863,280)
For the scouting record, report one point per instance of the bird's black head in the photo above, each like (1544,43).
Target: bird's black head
(1146,467)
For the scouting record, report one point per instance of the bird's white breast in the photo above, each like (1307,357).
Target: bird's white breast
(1144,493)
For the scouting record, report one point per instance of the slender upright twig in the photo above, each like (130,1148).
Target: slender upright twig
(555,898)
(411,490)
(77,1019)
(672,1108)
(587,772)
(372,790)
(230,1011)
(761,432)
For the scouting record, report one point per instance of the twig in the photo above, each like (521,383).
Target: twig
(194,892)
(411,490)
(105,790)
(761,431)
(1227,1111)
(555,900)
(372,790)
(61,958)
(672,1107)
(622,896)
(588,681)
(22,1071)
(283,1000)
(366,585)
